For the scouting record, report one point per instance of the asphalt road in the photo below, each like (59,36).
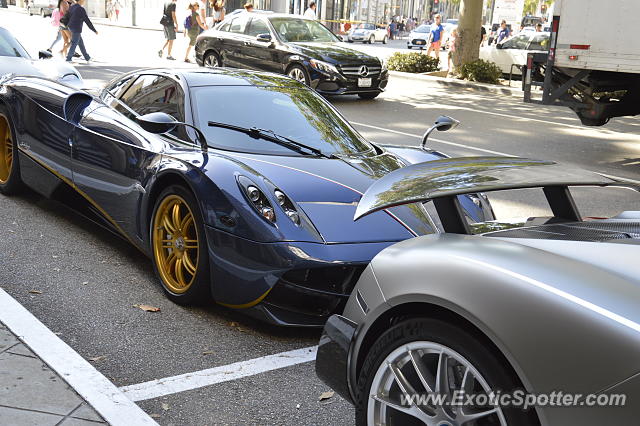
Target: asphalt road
(90,280)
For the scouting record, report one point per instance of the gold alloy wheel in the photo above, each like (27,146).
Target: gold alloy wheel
(175,244)
(6,150)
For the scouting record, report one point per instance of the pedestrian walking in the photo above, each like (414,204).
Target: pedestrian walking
(55,21)
(538,27)
(436,37)
(63,6)
(109,9)
(310,13)
(453,38)
(503,33)
(116,7)
(170,24)
(392,30)
(202,11)
(192,26)
(77,18)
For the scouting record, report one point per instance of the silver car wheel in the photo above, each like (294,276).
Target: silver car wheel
(421,368)
(211,61)
(298,74)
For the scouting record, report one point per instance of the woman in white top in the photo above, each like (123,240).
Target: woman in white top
(217,12)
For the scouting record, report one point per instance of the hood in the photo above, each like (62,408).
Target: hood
(421,36)
(335,53)
(328,192)
(54,69)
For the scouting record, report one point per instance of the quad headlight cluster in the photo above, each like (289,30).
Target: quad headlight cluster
(262,204)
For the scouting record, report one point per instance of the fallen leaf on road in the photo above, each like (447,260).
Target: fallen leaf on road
(298,407)
(165,406)
(97,358)
(85,282)
(207,352)
(155,416)
(35,292)
(147,308)
(326,395)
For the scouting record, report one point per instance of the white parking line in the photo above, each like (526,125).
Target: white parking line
(96,389)
(212,376)
(398,132)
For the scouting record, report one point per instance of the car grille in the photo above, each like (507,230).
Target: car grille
(354,70)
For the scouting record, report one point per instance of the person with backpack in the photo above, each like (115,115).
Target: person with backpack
(77,18)
(63,32)
(192,26)
(170,24)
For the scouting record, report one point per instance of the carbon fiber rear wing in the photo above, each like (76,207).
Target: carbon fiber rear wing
(443,180)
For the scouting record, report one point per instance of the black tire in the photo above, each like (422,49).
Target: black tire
(368,95)
(295,70)
(385,40)
(350,41)
(13,183)
(199,291)
(409,47)
(372,39)
(211,57)
(42,14)
(497,375)
(29,11)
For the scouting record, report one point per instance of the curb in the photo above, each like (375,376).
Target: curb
(451,82)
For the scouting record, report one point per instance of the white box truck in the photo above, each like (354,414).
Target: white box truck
(593,62)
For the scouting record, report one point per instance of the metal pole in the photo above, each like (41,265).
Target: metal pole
(133,13)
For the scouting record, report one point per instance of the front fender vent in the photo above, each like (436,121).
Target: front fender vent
(74,105)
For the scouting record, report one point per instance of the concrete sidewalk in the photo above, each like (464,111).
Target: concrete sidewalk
(33,394)
(43,381)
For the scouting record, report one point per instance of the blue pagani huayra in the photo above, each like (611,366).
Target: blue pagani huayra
(240,186)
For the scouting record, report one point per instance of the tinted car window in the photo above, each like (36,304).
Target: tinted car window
(115,90)
(302,30)
(257,27)
(154,93)
(225,26)
(518,42)
(296,113)
(9,46)
(239,24)
(539,42)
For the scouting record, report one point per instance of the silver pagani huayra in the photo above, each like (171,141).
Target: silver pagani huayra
(519,309)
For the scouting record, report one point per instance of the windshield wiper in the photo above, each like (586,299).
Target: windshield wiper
(270,135)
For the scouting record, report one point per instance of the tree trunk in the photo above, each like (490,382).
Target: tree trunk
(468,41)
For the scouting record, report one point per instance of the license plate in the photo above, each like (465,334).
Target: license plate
(420,42)
(364,82)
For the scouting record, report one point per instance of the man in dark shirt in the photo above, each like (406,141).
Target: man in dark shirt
(77,18)
(170,24)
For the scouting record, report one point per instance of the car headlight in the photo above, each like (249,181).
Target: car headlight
(257,199)
(288,206)
(383,64)
(323,66)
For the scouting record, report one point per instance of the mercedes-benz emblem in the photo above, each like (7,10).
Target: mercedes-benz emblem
(364,71)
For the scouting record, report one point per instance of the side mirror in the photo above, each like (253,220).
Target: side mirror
(443,123)
(43,54)
(265,38)
(157,122)
(160,122)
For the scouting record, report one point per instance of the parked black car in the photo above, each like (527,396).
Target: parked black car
(301,48)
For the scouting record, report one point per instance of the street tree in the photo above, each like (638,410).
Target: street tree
(468,41)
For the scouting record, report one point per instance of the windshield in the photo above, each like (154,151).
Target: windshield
(296,113)
(9,46)
(422,29)
(366,27)
(301,30)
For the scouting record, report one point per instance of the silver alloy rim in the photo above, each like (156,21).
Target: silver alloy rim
(422,367)
(297,74)
(211,61)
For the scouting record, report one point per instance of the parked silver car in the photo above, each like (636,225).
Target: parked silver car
(40,7)
(546,305)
